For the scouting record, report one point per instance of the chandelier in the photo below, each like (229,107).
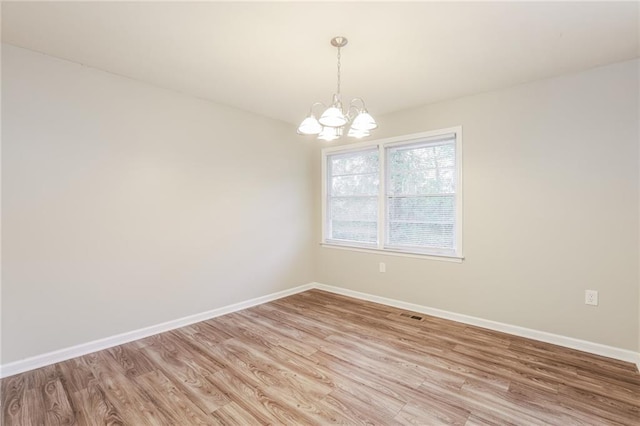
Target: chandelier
(335,119)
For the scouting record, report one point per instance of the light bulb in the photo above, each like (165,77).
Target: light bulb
(364,121)
(309,126)
(355,133)
(329,134)
(333,117)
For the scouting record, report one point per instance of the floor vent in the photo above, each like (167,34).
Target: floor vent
(415,317)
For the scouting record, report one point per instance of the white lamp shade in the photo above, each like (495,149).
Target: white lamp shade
(329,134)
(363,121)
(309,126)
(355,133)
(333,117)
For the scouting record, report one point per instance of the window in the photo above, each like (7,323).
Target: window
(399,195)
(352,197)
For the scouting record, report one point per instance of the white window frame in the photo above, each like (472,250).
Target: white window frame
(381,145)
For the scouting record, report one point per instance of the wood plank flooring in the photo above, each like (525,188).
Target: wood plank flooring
(318,358)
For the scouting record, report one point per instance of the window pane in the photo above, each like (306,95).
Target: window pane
(422,170)
(422,182)
(352,196)
(417,215)
(428,235)
(424,155)
(354,163)
(355,185)
(354,219)
(423,209)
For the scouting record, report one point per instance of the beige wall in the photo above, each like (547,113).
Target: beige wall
(550,209)
(125,205)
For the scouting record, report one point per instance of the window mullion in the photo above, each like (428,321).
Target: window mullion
(382,199)
(326,173)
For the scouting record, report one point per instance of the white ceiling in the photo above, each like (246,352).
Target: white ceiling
(275,59)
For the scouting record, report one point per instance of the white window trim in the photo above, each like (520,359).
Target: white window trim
(382,144)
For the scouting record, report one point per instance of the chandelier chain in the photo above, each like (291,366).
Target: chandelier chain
(338,91)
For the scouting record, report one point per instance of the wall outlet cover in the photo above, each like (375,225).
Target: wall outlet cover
(591,297)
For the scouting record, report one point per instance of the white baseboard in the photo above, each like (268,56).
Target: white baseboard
(556,339)
(49,358)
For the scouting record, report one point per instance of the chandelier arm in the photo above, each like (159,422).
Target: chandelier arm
(315,105)
(352,107)
(351,104)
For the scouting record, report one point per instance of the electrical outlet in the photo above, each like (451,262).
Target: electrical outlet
(383,267)
(591,297)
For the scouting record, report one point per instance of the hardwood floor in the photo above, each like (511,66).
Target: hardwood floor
(320,358)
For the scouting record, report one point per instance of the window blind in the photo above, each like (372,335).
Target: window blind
(421,195)
(352,197)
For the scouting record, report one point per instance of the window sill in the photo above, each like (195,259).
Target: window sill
(387,252)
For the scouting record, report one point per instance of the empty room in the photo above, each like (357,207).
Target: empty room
(313,213)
